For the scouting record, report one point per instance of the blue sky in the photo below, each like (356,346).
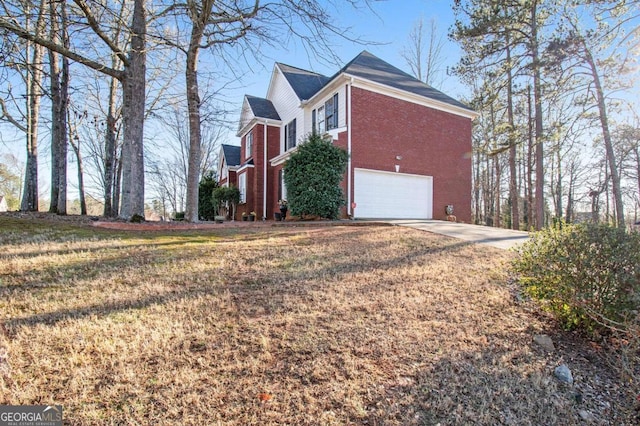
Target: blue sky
(388,26)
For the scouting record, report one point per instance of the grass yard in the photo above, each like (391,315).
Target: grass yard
(270,325)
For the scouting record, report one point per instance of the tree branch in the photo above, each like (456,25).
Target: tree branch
(22,33)
(5,114)
(95,26)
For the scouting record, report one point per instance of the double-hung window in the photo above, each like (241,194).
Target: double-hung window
(331,112)
(290,135)
(248,144)
(325,117)
(321,126)
(242,187)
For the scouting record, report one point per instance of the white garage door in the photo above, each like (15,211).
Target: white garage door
(392,195)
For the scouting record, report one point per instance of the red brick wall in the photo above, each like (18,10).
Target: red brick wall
(256,185)
(255,178)
(273,150)
(431,142)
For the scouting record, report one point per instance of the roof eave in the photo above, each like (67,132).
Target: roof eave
(257,120)
(424,100)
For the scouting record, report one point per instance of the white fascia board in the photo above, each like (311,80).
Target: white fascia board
(257,120)
(279,159)
(331,87)
(383,89)
(245,129)
(245,167)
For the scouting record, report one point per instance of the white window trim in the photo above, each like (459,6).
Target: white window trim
(242,187)
(248,144)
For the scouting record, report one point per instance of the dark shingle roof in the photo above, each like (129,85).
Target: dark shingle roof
(231,154)
(304,83)
(370,67)
(262,108)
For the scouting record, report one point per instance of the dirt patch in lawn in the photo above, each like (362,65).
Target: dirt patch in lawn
(282,325)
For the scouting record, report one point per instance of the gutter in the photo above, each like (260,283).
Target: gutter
(349,204)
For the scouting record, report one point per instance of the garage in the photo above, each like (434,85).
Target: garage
(391,195)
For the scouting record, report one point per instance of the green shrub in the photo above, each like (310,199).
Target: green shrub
(225,196)
(206,206)
(136,218)
(587,275)
(312,176)
(178,216)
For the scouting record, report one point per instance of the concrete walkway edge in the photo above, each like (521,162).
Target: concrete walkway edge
(495,237)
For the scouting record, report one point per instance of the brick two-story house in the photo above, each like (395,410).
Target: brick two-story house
(409,145)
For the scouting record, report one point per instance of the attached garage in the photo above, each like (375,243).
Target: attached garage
(388,195)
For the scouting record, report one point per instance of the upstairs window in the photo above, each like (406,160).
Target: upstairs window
(242,187)
(325,117)
(290,135)
(331,112)
(248,144)
(321,127)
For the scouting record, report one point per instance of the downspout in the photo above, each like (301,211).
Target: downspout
(264,173)
(349,204)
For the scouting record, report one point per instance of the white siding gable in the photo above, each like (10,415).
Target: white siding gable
(287,104)
(245,117)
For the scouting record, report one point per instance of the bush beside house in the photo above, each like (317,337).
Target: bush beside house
(313,175)
(206,206)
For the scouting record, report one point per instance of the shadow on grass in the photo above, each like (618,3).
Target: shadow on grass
(252,293)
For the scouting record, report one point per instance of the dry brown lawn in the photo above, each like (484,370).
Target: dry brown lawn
(280,325)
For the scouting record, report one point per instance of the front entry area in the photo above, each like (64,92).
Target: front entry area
(389,195)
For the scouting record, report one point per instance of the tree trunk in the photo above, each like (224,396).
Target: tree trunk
(558,192)
(497,189)
(54,78)
(193,106)
(608,143)
(117,186)
(59,80)
(530,162)
(476,188)
(569,214)
(110,153)
(34,95)
(83,202)
(133,111)
(513,176)
(537,97)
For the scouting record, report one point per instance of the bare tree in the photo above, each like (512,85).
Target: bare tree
(424,53)
(59,83)
(132,78)
(34,95)
(575,51)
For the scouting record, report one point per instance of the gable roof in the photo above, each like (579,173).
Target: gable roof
(231,154)
(370,67)
(304,83)
(262,108)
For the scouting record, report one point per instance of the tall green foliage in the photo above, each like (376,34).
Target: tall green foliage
(206,207)
(587,275)
(226,196)
(313,175)
(9,187)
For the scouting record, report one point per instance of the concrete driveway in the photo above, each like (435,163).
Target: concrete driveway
(495,237)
